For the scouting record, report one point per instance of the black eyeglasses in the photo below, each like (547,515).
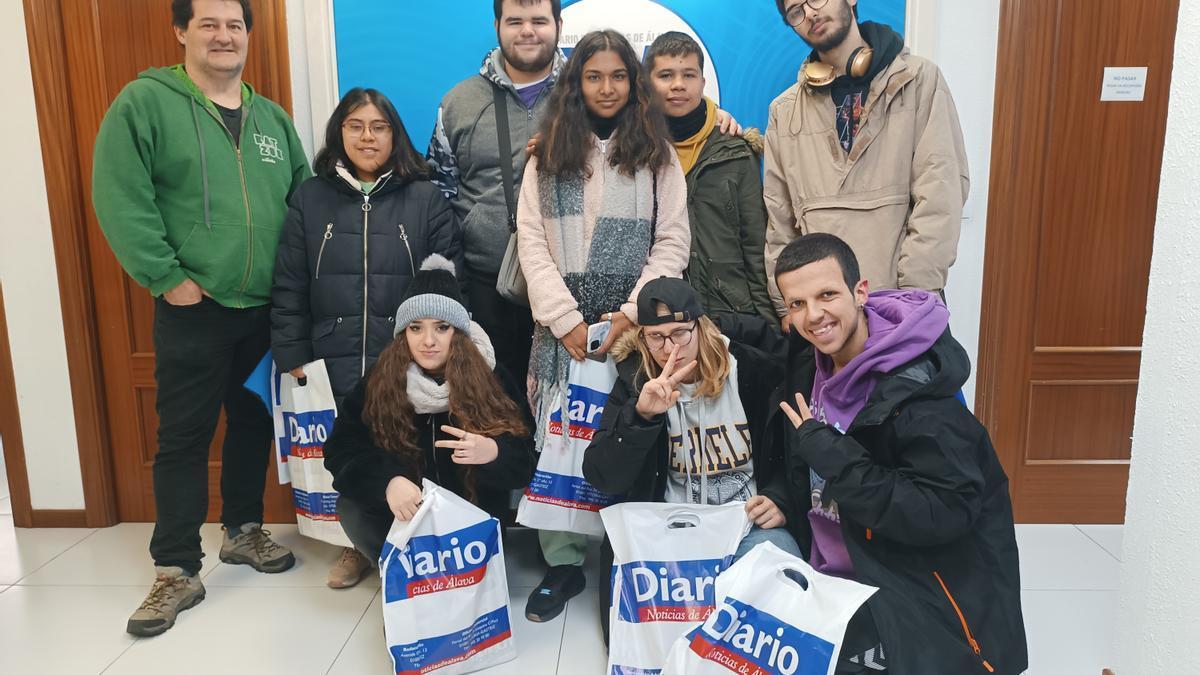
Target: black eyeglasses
(680,337)
(796,16)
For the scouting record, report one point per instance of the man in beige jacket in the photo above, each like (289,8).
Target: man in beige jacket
(866,146)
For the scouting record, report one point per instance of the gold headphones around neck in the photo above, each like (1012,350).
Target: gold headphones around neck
(818,74)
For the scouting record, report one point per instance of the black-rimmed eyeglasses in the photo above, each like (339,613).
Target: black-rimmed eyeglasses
(680,337)
(798,14)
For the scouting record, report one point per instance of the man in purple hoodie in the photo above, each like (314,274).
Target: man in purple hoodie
(907,493)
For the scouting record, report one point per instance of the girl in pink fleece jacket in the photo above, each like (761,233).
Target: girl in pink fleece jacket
(602,210)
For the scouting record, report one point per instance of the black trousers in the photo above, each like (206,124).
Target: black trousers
(203,354)
(366,527)
(509,326)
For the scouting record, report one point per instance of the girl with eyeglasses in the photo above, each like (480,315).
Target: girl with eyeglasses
(686,421)
(348,251)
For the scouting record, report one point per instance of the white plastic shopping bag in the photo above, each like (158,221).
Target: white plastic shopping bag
(308,412)
(445,595)
(666,558)
(774,615)
(558,498)
(282,444)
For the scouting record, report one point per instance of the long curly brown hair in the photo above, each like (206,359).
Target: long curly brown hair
(640,140)
(478,403)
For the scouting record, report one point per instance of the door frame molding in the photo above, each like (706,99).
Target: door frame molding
(10,430)
(48,63)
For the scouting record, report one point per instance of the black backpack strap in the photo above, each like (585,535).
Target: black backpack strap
(506,168)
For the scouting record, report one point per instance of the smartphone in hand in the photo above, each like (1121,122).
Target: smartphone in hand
(597,334)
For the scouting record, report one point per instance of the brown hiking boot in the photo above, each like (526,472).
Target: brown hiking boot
(251,545)
(172,592)
(349,569)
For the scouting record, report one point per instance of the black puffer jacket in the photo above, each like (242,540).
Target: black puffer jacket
(327,277)
(362,470)
(925,514)
(629,456)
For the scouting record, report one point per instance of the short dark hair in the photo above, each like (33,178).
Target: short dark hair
(404,162)
(182,13)
(555,7)
(781,5)
(673,43)
(815,247)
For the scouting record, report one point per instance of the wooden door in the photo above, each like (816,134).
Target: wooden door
(106,43)
(1073,198)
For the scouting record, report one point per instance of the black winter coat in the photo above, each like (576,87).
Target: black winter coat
(925,514)
(327,277)
(629,456)
(362,470)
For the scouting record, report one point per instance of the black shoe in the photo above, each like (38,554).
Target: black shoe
(562,582)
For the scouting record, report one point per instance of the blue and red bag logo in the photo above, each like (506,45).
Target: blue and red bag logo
(748,641)
(435,563)
(668,591)
(320,506)
(584,410)
(568,492)
(307,432)
(430,654)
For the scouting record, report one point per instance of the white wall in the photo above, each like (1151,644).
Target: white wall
(1160,571)
(29,274)
(314,68)
(963,44)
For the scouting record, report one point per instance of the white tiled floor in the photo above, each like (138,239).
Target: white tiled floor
(65,595)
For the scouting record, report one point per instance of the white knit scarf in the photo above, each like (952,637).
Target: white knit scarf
(429,397)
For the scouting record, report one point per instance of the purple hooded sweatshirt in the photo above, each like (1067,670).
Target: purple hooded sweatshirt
(901,325)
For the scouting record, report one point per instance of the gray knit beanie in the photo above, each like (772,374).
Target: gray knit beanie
(433,293)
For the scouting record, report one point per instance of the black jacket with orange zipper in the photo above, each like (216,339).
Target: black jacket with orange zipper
(343,266)
(925,512)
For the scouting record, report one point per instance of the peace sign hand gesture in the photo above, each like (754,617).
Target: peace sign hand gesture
(662,392)
(469,448)
(801,414)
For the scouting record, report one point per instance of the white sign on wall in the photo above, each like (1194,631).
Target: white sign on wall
(1124,84)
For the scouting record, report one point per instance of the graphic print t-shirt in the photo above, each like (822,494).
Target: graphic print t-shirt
(710,447)
(849,100)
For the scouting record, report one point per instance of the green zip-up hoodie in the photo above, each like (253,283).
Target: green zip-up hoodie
(177,199)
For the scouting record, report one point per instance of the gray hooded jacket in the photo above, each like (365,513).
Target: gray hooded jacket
(464,155)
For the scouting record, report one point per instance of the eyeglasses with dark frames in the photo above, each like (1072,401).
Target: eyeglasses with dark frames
(797,15)
(680,337)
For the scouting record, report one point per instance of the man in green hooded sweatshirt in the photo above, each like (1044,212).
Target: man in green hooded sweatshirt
(192,173)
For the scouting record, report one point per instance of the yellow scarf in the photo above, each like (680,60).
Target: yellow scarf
(689,149)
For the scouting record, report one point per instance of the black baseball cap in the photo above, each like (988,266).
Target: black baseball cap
(677,294)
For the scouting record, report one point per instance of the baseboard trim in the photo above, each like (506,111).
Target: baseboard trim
(59,518)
